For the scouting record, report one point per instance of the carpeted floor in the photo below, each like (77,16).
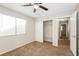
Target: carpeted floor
(64,43)
(39,49)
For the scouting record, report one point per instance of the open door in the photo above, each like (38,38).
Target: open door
(47,31)
(73,33)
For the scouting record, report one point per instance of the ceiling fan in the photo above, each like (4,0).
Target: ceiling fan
(36,6)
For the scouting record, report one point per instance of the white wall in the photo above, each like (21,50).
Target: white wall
(55,31)
(73,33)
(39,30)
(8,43)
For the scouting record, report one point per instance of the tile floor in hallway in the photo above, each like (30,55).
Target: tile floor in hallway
(39,49)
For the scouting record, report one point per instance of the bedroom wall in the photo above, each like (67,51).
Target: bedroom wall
(39,30)
(8,43)
(55,32)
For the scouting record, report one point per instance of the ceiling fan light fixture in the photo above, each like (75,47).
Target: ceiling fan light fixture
(36,6)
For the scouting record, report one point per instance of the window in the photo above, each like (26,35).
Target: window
(7,25)
(11,25)
(20,25)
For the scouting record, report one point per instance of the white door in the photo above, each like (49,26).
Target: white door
(47,31)
(73,33)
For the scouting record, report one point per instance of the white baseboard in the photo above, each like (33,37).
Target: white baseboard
(15,47)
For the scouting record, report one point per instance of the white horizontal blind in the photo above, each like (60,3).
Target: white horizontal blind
(11,26)
(20,25)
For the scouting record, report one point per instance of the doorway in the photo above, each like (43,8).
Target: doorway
(63,31)
(63,41)
(47,31)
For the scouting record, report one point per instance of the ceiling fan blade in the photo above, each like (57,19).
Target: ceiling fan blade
(37,3)
(44,8)
(34,10)
(40,3)
(27,5)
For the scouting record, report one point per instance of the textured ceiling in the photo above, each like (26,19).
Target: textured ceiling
(54,9)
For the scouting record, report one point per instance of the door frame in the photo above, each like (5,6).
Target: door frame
(43,30)
(60,23)
(60,28)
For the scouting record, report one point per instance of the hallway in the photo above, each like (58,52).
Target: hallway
(64,43)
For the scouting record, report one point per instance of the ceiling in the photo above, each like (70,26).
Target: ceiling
(54,9)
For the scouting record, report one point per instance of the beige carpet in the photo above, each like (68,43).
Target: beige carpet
(64,43)
(39,49)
